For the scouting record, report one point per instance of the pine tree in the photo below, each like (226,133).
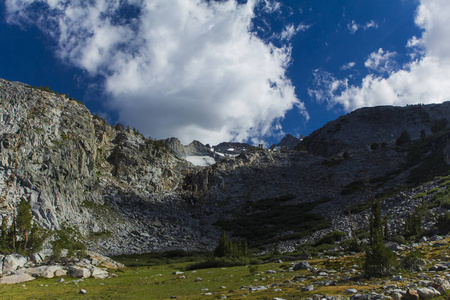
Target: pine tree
(413,223)
(379,260)
(23,221)
(226,247)
(4,235)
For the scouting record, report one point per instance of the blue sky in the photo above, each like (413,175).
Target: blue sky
(223,70)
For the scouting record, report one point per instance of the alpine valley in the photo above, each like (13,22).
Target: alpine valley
(129,194)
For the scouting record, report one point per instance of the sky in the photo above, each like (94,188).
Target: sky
(225,70)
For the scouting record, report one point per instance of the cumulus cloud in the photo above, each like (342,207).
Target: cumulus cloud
(381,61)
(187,68)
(425,79)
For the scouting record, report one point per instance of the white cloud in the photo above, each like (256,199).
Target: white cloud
(371,24)
(348,66)
(353,27)
(425,79)
(186,68)
(290,31)
(381,61)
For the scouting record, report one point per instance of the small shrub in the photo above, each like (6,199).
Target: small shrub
(68,239)
(253,270)
(331,238)
(399,239)
(351,245)
(412,260)
(443,224)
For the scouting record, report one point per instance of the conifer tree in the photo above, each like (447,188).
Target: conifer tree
(379,260)
(226,247)
(23,221)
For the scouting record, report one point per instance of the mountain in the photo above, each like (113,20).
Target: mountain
(129,194)
(289,142)
(366,128)
(196,153)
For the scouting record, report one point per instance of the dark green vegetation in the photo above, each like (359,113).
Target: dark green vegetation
(25,237)
(379,260)
(69,239)
(228,248)
(22,236)
(268,220)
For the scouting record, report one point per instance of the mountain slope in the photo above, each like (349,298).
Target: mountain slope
(381,125)
(127,194)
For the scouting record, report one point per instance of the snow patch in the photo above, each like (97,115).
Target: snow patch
(200,161)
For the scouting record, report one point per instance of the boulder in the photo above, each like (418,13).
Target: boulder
(12,279)
(98,273)
(428,293)
(396,296)
(308,288)
(60,272)
(35,258)
(78,272)
(435,238)
(51,270)
(411,295)
(178,273)
(31,271)
(304,265)
(12,262)
(441,288)
(359,297)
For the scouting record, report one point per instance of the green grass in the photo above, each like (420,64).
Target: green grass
(158,282)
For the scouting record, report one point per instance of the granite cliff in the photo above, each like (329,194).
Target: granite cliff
(127,194)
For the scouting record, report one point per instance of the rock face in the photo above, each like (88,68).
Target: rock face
(376,126)
(194,148)
(78,170)
(136,195)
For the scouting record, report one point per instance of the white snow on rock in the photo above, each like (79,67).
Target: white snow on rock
(201,161)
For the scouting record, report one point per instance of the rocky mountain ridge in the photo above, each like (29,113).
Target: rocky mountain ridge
(129,194)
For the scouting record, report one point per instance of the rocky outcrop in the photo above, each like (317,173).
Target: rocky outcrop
(289,142)
(79,171)
(17,268)
(195,148)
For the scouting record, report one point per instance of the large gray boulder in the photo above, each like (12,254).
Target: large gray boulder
(428,293)
(98,273)
(35,258)
(52,271)
(304,265)
(78,272)
(12,262)
(12,279)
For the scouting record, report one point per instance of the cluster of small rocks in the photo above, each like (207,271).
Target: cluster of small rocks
(16,268)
